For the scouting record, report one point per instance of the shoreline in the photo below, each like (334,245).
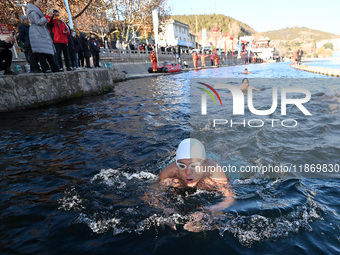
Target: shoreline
(26,90)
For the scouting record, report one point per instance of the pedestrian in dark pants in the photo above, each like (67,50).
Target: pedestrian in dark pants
(40,39)
(78,49)
(71,51)
(95,49)
(6,55)
(24,37)
(86,51)
(80,53)
(24,43)
(299,56)
(60,31)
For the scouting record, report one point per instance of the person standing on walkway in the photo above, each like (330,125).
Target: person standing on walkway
(71,51)
(24,37)
(195,59)
(295,58)
(60,31)
(6,55)
(95,49)
(299,55)
(217,60)
(86,54)
(153,59)
(77,49)
(24,43)
(203,56)
(40,38)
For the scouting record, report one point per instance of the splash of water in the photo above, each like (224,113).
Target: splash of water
(123,202)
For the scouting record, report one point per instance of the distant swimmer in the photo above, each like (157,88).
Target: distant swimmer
(246,71)
(193,169)
(245,85)
(335,100)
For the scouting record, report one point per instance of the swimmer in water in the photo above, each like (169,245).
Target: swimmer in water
(193,169)
(245,85)
(246,71)
(334,106)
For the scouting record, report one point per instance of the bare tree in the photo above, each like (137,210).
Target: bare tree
(135,16)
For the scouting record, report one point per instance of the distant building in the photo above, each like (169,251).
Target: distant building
(176,33)
(193,40)
(261,46)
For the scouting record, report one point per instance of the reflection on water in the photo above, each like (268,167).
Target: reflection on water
(56,198)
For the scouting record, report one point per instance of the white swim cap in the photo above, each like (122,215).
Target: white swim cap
(190,148)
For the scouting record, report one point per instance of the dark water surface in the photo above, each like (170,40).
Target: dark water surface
(75,177)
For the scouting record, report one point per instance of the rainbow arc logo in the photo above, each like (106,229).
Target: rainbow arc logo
(209,93)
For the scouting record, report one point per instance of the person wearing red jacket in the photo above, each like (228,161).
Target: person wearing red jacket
(195,59)
(203,56)
(217,60)
(60,32)
(153,61)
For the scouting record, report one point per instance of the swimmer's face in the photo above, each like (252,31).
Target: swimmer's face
(246,82)
(191,176)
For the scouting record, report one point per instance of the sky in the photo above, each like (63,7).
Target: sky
(266,15)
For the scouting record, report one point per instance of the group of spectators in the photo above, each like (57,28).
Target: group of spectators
(143,47)
(45,39)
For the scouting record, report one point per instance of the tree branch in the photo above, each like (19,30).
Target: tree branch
(14,8)
(82,11)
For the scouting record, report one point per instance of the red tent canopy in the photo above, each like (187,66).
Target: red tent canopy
(214,29)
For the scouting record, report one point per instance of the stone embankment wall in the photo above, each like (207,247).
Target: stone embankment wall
(31,90)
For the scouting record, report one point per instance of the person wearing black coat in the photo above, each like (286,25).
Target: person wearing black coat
(299,55)
(78,49)
(6,55)
(24,43)
(71,50)
(86,54)
(24,37)
(95,49)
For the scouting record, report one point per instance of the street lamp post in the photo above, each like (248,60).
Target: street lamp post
(232,45)
(214,30)
(224,35)
(100,24)
(22,6)
(69,14)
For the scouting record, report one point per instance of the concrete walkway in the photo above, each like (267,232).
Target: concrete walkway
(318,69)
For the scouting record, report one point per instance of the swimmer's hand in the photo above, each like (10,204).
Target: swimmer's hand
(171,225)
(218,208)
(167,212)
(195,224)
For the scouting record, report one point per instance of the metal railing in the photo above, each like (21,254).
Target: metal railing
(118,53)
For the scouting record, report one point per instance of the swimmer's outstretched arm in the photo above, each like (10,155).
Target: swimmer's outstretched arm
(227,201)
(168,172)
(222,184)
(256,89)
